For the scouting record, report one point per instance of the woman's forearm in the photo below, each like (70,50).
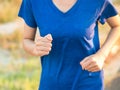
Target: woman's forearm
(96,61)
(29,46)
(40,47)
(113,36)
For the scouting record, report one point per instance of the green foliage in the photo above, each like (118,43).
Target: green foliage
(22,71)
(20,76)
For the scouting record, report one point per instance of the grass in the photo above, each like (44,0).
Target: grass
(25,74)
(23,70)
(21,76)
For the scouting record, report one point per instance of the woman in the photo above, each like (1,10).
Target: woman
(68,44)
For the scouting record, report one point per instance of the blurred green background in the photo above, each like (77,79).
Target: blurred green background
(21,71)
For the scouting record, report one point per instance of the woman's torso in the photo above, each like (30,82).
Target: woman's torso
(75,36)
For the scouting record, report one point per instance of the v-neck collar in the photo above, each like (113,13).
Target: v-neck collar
(71,10)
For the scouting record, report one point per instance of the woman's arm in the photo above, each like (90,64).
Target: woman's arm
(114,34)
(96,61)
(41,47)
(28,39)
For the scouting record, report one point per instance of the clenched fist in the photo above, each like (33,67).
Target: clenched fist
(43,45)
(93,62)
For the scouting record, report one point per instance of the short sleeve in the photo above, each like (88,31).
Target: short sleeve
(26,13)
(108,11)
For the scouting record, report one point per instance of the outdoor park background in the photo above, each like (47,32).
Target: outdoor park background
(21,71)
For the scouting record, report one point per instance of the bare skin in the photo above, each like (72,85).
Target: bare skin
(41,47)
(64,5)
(92,63)
(96,62)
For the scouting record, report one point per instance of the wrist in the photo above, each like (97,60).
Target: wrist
(33,50)
(102,54)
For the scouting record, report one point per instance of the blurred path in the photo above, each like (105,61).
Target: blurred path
(113,67)
(112,74)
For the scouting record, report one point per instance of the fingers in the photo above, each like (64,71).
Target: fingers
(42,48)
(85,62)
(91,66)
(93,69)
(91,63)
(49,37)
(82,62)
(43,45)
(41,53)
(88,63)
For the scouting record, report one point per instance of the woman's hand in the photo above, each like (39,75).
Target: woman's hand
(43,45)
(93,62)
(39,47)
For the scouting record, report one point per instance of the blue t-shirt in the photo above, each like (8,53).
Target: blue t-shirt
(75,36)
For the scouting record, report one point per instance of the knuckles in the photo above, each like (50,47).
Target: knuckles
(94,62)
(47,53)
(49,48)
